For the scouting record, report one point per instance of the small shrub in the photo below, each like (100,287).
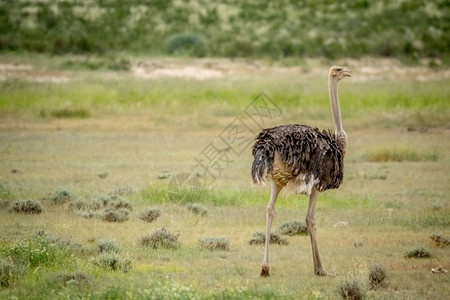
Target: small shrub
(293,228)
(377,274)
(107,245)
(150,214)
(418,252)
(79,278)
(9,272)
(197,209)
(26,207)
(215,243)
(115,215)
(440,240)
(259,237)
(351,290)
(61,196)
(113,262)
(160,238)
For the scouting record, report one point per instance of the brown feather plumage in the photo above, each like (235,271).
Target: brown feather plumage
(304,152)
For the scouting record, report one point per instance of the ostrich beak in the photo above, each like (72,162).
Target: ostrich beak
(346,73)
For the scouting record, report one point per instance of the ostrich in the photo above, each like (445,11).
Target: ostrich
(303,159)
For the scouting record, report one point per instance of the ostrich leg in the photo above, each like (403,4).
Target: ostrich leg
(310,223)
(270,214)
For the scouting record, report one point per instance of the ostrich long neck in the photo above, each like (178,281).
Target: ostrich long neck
(332,87)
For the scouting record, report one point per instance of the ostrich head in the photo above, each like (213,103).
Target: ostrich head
(338,73)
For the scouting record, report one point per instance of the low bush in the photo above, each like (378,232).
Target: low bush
(377,274)
(79,278)
(259,237)
(351,290)
(418,252)
(215,243)
(107,245)
(26,207)
(197,209)
(160,238)
(293,228)
(113,262)
(150,214)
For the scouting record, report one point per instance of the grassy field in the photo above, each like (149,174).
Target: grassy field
(129,133)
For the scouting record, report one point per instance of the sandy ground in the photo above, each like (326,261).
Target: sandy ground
(203,69)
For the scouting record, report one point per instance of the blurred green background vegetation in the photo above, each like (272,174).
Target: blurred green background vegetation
(410,29)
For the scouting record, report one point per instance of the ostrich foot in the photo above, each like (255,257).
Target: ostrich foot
(322,272)
(265,270)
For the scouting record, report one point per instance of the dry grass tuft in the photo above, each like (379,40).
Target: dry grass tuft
(89,214)
(197,209)
(26,207)
(150,214)
(399,154)
(63,242)
(4,203)
(111,201)
(79,279)
(293,228)
(115,215)
(61,196)
(9,272)
(160,238)
(113,262)
(259,237)
(77,205)
(440,240)
(351,290)
(215,243)
(377,274)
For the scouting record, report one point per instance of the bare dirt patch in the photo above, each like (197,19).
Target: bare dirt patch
(26,72)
